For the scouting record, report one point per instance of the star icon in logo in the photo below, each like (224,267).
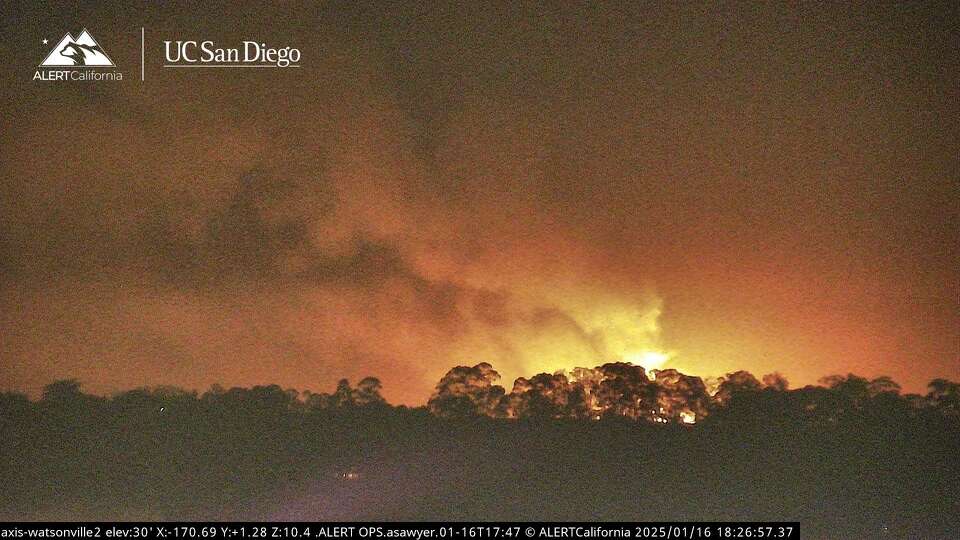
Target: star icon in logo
(45,41)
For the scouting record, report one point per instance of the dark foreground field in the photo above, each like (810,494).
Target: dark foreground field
(884,469)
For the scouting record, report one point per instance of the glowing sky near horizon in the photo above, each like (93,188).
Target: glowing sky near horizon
(707,188)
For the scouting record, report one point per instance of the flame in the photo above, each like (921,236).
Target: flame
(553,332)
(647,359)
(618,330)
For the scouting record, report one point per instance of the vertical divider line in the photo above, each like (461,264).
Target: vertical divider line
(142,69)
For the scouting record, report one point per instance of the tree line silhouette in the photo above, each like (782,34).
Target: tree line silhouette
(852,457)
(625,390)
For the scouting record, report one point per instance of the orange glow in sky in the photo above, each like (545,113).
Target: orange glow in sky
(539,193)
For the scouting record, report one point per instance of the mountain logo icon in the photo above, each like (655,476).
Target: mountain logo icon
(75,52)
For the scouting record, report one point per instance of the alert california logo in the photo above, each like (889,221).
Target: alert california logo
(79,58)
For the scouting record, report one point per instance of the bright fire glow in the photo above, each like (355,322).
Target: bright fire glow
(559,332)
(648,359)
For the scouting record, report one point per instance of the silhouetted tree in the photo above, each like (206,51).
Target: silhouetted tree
(680,398)
(625,390)
(343,396)
(776,381)
(467,392)
(62,391)
(541,396)
(737,384)
(944,396)
(368,392)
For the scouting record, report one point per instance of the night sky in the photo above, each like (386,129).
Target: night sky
(707,187)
